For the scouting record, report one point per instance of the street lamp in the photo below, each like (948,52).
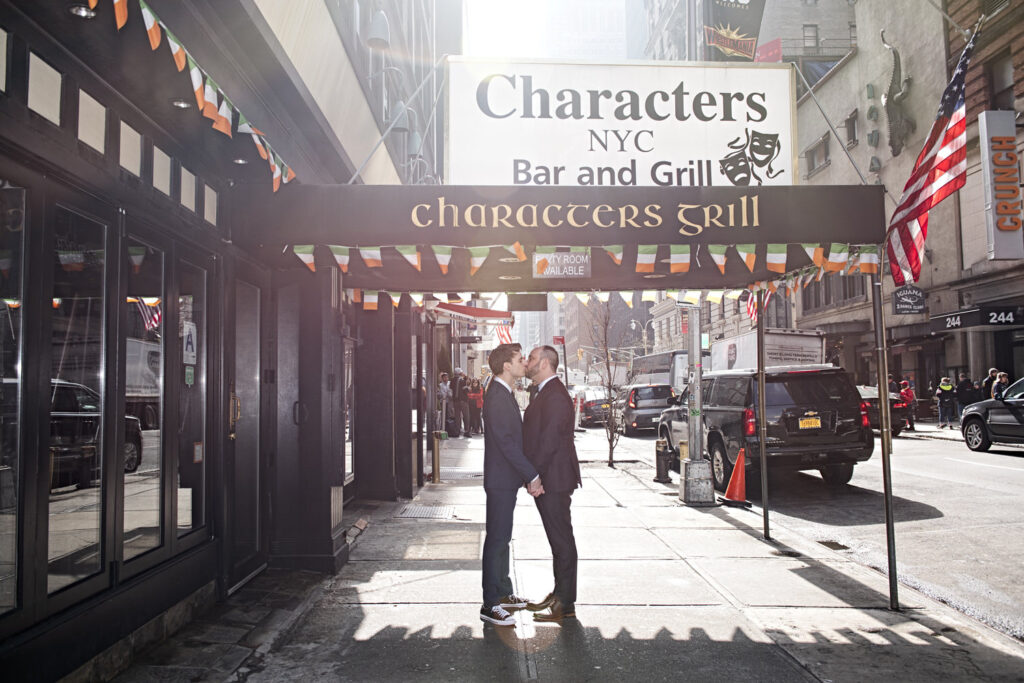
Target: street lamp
(633,324)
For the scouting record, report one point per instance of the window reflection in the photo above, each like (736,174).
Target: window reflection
(350,404)
(191,373)
(12,220)
(74,453)
(142,450)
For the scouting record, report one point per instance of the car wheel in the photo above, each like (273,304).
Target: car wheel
(149,418)
(132,456)
(837,475)
(721,468)
(976,436)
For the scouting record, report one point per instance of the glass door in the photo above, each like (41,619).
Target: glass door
(246,470)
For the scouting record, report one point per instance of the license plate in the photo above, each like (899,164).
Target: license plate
(810,423)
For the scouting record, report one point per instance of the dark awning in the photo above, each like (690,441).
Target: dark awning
(474,314)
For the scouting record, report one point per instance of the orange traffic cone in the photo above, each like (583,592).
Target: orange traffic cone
(736,491)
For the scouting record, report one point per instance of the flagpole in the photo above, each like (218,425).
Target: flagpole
(884,413)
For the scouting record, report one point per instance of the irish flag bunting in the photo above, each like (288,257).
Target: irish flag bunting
(305,254)
(71,261)
(210,91)
(869,259)
(120,13)
(715,295)
(136,255)
(837,257)
(196,74)
(626,296)
(717,252)
(542,261)
(443,256)
(645,255)
(559,296)
(477,256)
(648,295)
(370,300)
(152,27)
(815,252)
(692,297)
(775,258)
(395,297)
(615,252)
(224,113)
(371,256)
(517,249)
(411,254)
(93,3)
(748,255)
(276,168)
(341,255)
(583,297)
(603,297)
(416,298)
(679,258)
(177,51)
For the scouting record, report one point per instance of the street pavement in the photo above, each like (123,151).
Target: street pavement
(667,592)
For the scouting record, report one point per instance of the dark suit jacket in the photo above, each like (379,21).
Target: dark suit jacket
(548,430)
(505,466)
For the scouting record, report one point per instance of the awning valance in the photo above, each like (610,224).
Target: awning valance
(473,314)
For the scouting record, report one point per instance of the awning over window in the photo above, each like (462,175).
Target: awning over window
(473,314)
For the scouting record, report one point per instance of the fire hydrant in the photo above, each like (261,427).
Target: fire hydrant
(662,456)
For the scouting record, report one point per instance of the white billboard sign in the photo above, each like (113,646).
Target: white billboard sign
(1001,181)
(638,124)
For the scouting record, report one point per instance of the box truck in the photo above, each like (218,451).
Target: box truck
(782,347)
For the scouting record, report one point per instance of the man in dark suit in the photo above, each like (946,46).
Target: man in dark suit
(548,432)
(506,470)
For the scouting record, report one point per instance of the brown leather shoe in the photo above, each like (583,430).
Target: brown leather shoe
(557,612)
(543,604)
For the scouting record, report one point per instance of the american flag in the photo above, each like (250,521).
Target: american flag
(752,304)
(940,170)
(151,315)
(504,333)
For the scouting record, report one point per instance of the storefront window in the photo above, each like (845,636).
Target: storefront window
(74,456)
(191,378)
(350,406)
(12,221)
(144,382)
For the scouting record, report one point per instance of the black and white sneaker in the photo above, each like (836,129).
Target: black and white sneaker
(513,601)
(497,615)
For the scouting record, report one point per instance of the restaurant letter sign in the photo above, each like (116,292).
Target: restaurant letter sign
(1001,177)
(647,124)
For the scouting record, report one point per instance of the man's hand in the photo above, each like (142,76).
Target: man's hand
(535,488)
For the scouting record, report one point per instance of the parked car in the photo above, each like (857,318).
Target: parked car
(898,409)
(72,454)
(595,405)
(815,420)
(995,420)
(639,406)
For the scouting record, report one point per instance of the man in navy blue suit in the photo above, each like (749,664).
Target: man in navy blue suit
(548,433)
(506,470)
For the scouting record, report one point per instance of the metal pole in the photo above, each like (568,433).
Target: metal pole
(762,423)
(694,407)
(885,426)
(565,366)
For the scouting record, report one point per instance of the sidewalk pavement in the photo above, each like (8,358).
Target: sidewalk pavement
(666,592)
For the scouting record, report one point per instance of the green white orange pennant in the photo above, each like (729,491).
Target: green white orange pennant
(224,114)
(775,258)
(177,51)
(679,258)
(341,256)
(645,256)
(371,256)
(615,252)
(815,252)
(443,256)
(416,298)
(152,25)
(748,254)
(120,13)
(715,295)
(370,300)
(210,91)
(584,297)
(559,296)
(198,82)
(649,295)
(477,256)
(603,297)
(276,169)
(305,254)
(869,259)
(411,254)
(517,249)
(579,250)
(395,297)
(627,297)
(838,254)
(717,252)
(136,255)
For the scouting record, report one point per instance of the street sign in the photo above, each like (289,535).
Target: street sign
(476,339)
(558,340)
(908,300)
(980,316)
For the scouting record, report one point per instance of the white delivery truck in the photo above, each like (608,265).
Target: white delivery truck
(142,381)
(782,347)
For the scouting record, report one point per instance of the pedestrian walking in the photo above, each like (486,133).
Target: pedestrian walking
(444,401)
(460,397)
(986,386)
(964,393)
(946,394)
(476,404)
(1000,385)
(910,398)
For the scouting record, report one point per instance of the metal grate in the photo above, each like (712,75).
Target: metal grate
(420,511)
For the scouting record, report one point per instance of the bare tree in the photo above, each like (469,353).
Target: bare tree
(606,339)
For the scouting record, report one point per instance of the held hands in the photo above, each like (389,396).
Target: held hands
(535,488)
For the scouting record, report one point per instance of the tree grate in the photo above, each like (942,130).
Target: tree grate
(421,511)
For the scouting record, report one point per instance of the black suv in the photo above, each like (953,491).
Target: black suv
(815,420)
(639,406)
(996,420)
